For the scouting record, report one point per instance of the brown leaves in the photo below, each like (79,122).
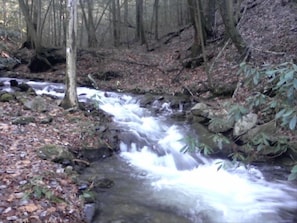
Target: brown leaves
(30,208)
(31,189)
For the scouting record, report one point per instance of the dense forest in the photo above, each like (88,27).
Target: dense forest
(233,63)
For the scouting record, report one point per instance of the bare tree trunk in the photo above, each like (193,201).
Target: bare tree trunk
(156,11)
(70,99)
(118,20)
(4,13)
(126,13)
(226,9)
(200,30)
(89,22)
(32,32)
(140,35)
(196,47)
(210,14)
(115,26)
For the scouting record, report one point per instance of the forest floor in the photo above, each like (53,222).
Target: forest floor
(270,29)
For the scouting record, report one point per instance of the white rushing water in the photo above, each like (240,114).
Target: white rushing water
(238,195)
(202,191)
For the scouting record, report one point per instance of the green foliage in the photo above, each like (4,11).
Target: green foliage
(220,139)
(37,189)
(278,93)
(237,111)
(257,100)
(193,145)
(260,141)
(293,174)
(282,81)
(228,165)
(96,100)
(88,196)
(288,116)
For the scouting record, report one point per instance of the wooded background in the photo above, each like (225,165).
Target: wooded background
(122,22)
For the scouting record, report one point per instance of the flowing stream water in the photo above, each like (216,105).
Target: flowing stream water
(155,183)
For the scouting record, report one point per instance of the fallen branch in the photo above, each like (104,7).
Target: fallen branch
(137,63)
(81,161)
(268,51)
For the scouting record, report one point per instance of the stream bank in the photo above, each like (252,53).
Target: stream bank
(107,182)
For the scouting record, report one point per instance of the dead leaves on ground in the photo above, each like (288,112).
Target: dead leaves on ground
(34,190)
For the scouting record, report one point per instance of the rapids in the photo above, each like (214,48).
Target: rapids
(155,182)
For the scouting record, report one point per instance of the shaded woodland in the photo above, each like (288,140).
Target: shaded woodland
(232,57)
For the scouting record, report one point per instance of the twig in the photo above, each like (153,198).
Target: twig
(93,81)
(219,55)
(137,63)
(81,161)
(268,51)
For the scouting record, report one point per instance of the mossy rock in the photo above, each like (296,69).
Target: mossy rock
(55,153)
(218,125)
(23,120)
(38,104)
(7,97)
(95,154)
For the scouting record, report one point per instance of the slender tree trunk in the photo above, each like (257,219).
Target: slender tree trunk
(32,32)
(226,10)
(210,15)
(118,21)
(126,13)
(89,22)
(156,10)
(54,24)
(196,47)
(200,30)
(116,38)
(140,35)
(92,39)
(70,99)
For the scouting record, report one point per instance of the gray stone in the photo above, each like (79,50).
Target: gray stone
(268,128)
(244,124)
(89,212)
(23,120)
(94,154)
(200,109)
(55,153)
(6,97)
(206,137)
(38,104)
(218,125)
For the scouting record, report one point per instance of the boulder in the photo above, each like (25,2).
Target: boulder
(207,138)
(94,154)
(6,97)
(268,128)
(200,109)
(55,153)
(219,125)
(202,112)
(23,120)
(38,104)
(244,124)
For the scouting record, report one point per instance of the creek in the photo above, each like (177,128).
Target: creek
(155,183)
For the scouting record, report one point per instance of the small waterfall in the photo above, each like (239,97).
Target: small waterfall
(192,185)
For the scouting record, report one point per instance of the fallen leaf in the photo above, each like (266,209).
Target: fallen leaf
(30,207)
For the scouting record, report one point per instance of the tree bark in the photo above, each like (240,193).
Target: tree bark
(140,35)
(156,11)
(210,14)
(196,47)
(32,27)
(89,22)
(226,10)
(70,99)
(115,5)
